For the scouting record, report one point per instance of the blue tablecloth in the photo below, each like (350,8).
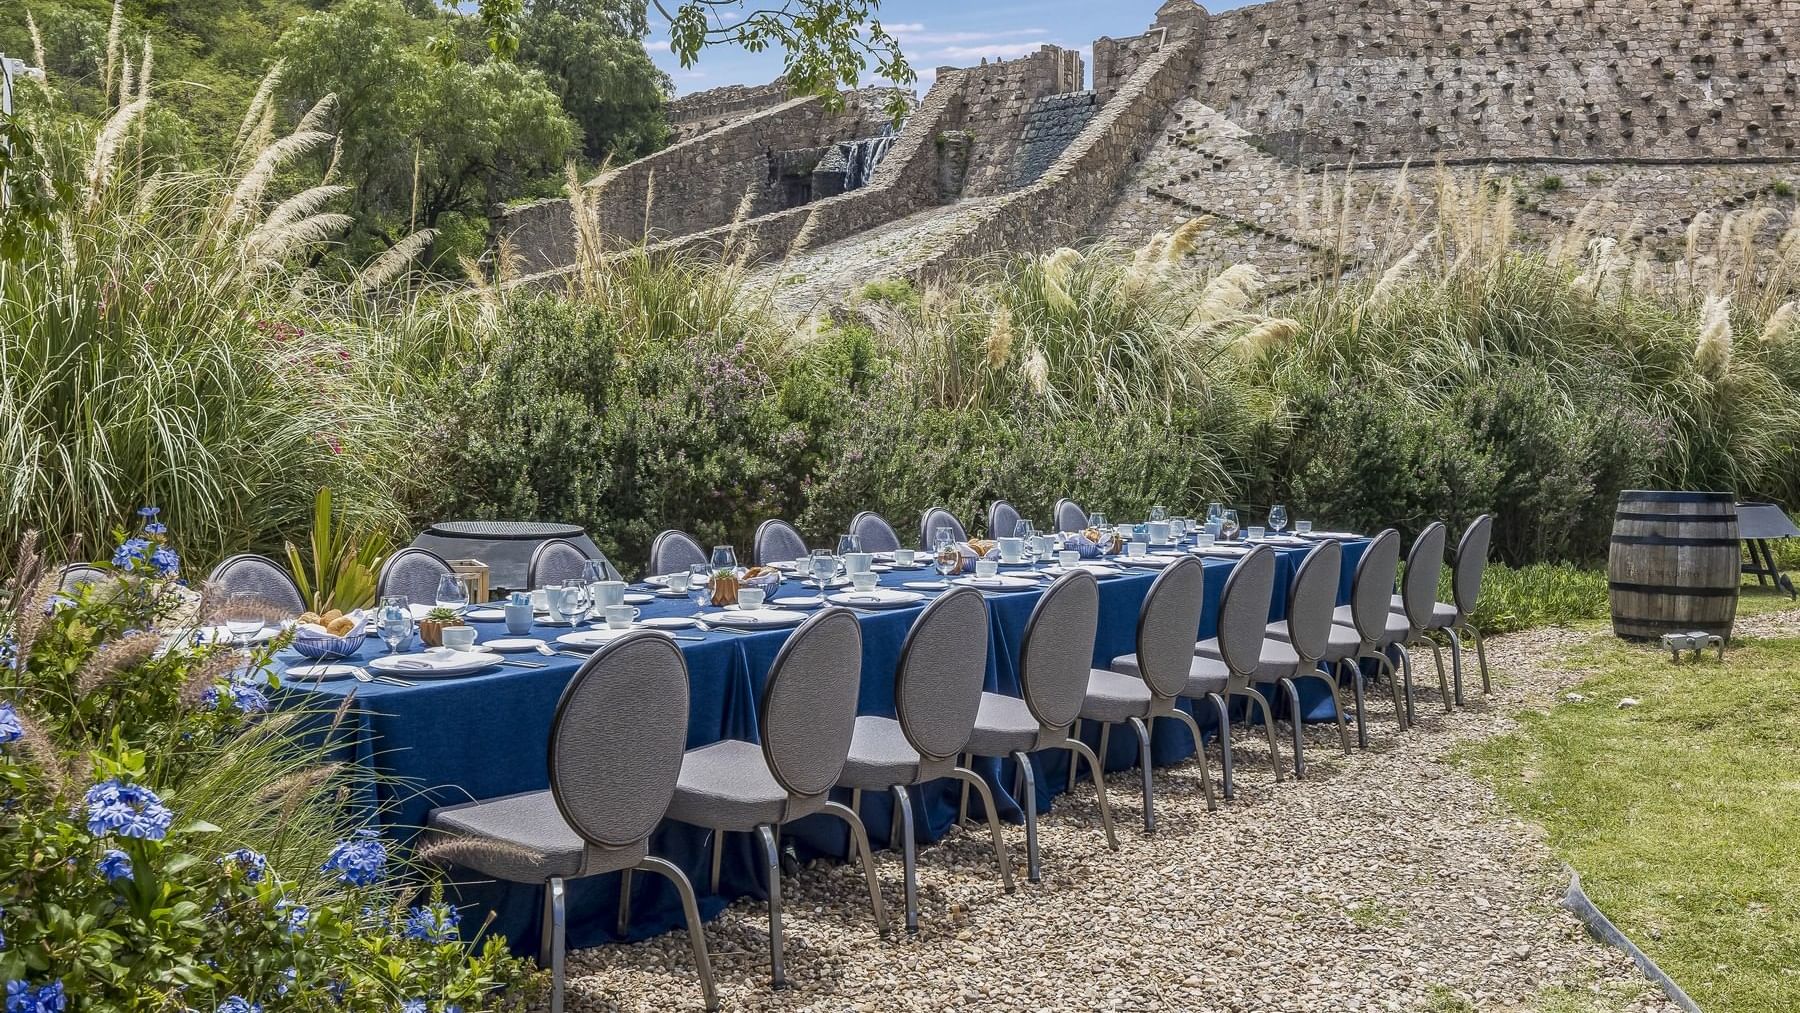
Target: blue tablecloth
(440,742)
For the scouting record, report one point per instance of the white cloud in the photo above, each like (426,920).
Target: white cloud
(657,45)
(916,35)
(1000,51)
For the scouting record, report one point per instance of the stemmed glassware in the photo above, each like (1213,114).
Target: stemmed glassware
(1158,514)
(1228,525)
(1278,517)
(848,544)
(699,586)
(824,567)
(243,617)
(724,557)
(452,593)
(1026,532)
(947,556)
(393,621)
(1097,520)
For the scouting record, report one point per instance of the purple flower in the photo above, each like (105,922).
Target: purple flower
(130,552)
(434,924)
(165,560)
(359,861)
(11,729)
(238,1004)
(148,512)
(22,998)
(245,698)
(156,528)
(129,810)
(298,916)
(413,1006)
(115,865)
(248,862)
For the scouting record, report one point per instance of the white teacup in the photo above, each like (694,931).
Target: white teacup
(608,593)
(459,638)
(1068,559)
(986,568)
(750,597)
(1159,532)
(540,600)
(863,581)
(1255,533)
(1012,550)
(1204,540)
(903,557)
(619,617)
(858,562)
(678,582)
(1137,548)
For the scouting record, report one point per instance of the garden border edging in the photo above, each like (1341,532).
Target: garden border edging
(1577,901)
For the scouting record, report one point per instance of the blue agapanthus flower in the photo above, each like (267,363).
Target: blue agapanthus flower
(128,810)
(11,729)
(156,528)
(21,997)
(298,916)
(434,924)
(287,981)
(413,1006)
(129,552)
(148,512)
(248,862)
(165,560)
(238,1004)
(244,697)
(359,861)
(115,865)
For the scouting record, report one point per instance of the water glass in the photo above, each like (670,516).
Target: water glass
(941,535)
(848,544)
(949,558)
(1159,513)
(1228,526)
(1303,527)
(986,568)
(1255,534)
(593,572)
(824,567)
(1215,511)
(1097,520)
(606,592)
(724,557)
(1204,540)
(393,621)
(573,602)
(1068,559)
(699,584)
(243,616)
(1278,517)
(452,593)
(1137,549)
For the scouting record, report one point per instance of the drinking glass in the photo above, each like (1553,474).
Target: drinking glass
(1159,513)
(1303,527)
(941,535)
(243,616)
(824,567)
(1027,531)
(1278,517)
(949,557)
(1097,520)
(724,557)
(699,591)
(394,622)
(452,593)
(848,544)
(575,601)
(1228,526)
(1215,511)
(593,572)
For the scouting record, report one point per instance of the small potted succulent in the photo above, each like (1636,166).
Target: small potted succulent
(431,628)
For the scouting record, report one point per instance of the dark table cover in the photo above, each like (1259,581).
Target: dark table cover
(440,742)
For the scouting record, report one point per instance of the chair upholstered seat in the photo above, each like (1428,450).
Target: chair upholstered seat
(1443,615)
(1205,675)
(1343,643)
(1276,660)
(540,843)
(727,786)
(880,757)
(1113,697)
(1004,724)
(1397,626)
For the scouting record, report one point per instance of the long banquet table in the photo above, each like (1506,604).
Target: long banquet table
(444,741)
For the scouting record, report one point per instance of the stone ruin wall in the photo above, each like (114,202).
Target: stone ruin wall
(692,115)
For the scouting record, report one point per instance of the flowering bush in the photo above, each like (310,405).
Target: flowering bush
(170,840)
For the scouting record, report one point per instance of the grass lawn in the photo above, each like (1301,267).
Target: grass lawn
(1682,814)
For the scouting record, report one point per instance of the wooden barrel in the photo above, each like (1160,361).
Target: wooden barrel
(1674,564)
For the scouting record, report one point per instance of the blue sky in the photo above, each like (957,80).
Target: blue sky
(936,33)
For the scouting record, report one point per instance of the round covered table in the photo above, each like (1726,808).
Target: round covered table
(505,546)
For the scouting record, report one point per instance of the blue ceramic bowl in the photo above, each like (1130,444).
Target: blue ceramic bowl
(325,648)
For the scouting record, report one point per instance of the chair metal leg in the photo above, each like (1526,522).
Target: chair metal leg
(1443,679)
(1106,821)
(1075,733)
(1206,785)
(624,902)
(1387,665)
(962,808)
(1143,735)
(718,858)
(856,801)
(1455,663)
(970,779)
(690,909)
(1027,795)
(1356,691)
(1105,741)
(908,855)
(1295,718)
(555,935)
(1224,710)
(1406,677)
(1474,633)
(1329,678)
(1268,715)
(860,839)
(772,863)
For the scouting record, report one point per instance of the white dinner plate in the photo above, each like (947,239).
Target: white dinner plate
(1101,571)
(799,601)
(436,663)
(509,645)
(1340,535)
(640,598)
(1001,583)
(222,635)
(590,638)
(762,618)
(927,585)
(669,623)
(318,673)
(878,598)
(669,592)
(485,615)
(1223,551)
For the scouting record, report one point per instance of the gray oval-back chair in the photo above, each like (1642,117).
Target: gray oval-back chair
(674,552)
(938,517)
(412,574)
(1305,637)
(1415,605)
(1069,516)
(74,575)
(777,541)
(1228,664)
(1054,661)
(874,533)
(937,691)
(1147,685)
(1002,519)
(558,560)
(1373,626)
(807,717)
(249,573)
(614,756)
(1465,584)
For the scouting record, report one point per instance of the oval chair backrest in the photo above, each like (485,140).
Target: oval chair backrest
(1470,563)
(1002,519)
(1313,598)
(617,739)
(809,703)
(673,552)
(777,541)
(1069,516)
(412,574)
(1244,611)
(935,518)
(1424,565)
(1168,624)
(938,683)
(874,533)
(75,575)
(1058,651)
(1372,590)
(249,573)
(555,561)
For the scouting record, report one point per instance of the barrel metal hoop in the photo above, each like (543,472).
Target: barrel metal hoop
(1664,589)
(1651,496)
(1699,543)
(1621,515)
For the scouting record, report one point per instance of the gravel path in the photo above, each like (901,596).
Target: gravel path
(1389,880)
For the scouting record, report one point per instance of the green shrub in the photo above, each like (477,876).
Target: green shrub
(1542,594)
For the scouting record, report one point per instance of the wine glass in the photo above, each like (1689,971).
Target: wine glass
(949,557)
(452,593)
(243,616)
(1278,517)
(1215,511)
(393,621)
(1026,533)
(824,567)
(1097,520)
(941,535)
(574,601)
(848,544)
(1158,514)
(1228,525)
(699,586)
(724,557)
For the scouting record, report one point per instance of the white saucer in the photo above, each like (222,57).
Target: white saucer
(669,623)
(318,673)
(508,645)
